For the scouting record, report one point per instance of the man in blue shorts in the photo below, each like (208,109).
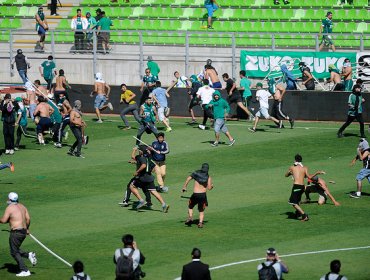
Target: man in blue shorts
(41,27)
(363,153)
(211,6)
(44,123)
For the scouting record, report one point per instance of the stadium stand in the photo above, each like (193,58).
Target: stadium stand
(168,17)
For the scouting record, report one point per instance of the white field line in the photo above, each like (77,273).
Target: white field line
(288,255)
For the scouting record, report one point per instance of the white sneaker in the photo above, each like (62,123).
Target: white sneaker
(11,152)
(202,127)
(110,106)
(23,274)
(32,258)
(66,135)
(58,145)
(7,152)
(99,121)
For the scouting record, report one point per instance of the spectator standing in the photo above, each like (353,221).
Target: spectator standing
(130,248)
(79,24)
(347,75)
(41,27)
(355,101)
(327,27)
(89,35)
(53,8)
(335,266)
(196,270)
(245,87)
(273,261)
(211,6)
(22,64)
(47,70)
(350,2)
(98,14)
(276,2)
(307,78)
(153,66)
(104,25)
(8,117)
(78,268)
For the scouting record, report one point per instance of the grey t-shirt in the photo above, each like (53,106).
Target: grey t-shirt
(126,252)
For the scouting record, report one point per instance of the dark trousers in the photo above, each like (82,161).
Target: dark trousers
(49,83)
(79,40)
(53,7)
(58,131)
(145,127)
(350,119)
(8,131)
(128,193)
(77,132)
(207,113)
(20,131)
(16,239)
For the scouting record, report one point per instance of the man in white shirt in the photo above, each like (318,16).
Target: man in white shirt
(334,272)
(263,97)
(205,94)
(181,81)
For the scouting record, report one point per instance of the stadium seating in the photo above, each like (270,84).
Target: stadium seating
(168,16)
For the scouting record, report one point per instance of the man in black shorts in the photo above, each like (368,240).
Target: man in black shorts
(202,183)
(318,185)
(233,93)
(144,178)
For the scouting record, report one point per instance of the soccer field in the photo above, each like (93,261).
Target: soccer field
(74,209)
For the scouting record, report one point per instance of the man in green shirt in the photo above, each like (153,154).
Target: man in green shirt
(153,66)
(245,89)
(355,101)
(104,24)
(47,70)
(327,27)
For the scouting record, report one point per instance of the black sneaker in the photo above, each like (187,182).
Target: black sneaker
(71,153)
(291,123)
(286,2)
(252,129)
(305,218)
(354,195)
(188,222)
(340,135)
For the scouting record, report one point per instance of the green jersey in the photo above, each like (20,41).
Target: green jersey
(246,84)
(42,17)
(105,23)
(148,113)
(154,68)
(355,104)
(56,116)
(23,113)
(149,80)
(327,25)
(48,67)
(208,2)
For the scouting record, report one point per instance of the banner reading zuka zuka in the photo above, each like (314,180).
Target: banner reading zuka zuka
(259,63)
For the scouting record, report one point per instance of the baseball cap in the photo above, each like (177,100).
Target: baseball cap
(271,251)
(18,99)
(13,197)
(259,85)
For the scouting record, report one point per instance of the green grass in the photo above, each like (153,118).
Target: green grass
(74,211)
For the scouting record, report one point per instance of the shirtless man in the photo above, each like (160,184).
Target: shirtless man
(65,109)
(347,75)
(277,107)
(202,183)
(61,86)
(335,78)
(103,90)
(299,173)
(16,214)
(40,89)
(77,125)
(318,185)
(210,73)
(43,110)
(31,98)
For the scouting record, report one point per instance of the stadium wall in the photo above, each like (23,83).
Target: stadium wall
(301,105)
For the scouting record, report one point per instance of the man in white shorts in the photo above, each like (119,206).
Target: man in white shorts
(160,95)
(263,97)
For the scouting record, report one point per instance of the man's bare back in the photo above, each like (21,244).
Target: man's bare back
(44,109)
(100,88)
(31,97)
(211,73)
(200,188)
(335,77)
(60,83)
(299,173)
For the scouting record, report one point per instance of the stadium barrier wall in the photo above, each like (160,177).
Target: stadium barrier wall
(301,105)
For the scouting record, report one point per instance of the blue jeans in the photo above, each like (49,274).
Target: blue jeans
(23,75)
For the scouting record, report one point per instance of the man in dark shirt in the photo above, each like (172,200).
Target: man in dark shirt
(307,78)
(159,152)
(196,270)
(8,114)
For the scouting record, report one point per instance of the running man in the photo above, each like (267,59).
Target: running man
(363,153)
(263,97)
(205,95)
(245,87)
(355,101)
(277,107)
(44,111)
(147,113)
(194,101)
(211,74)
(299,173)
(61,85)
(144,178)
(160,95)
(102,89)
(221,110)
(159,151)
(147,85)
(318,185)
(202,183)
(233,93)
(181,82)
(335,78)
(47,71)
(127,97)
(16,214)
(41,28)
(327,27)
(347,75)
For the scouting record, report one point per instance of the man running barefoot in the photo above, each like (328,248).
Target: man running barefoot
(16,214)
(103,90)
(299,173)
(202,183)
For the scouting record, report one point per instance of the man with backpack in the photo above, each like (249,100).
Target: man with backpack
(273,268)
(334,272)
(128,260)
(78,268)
